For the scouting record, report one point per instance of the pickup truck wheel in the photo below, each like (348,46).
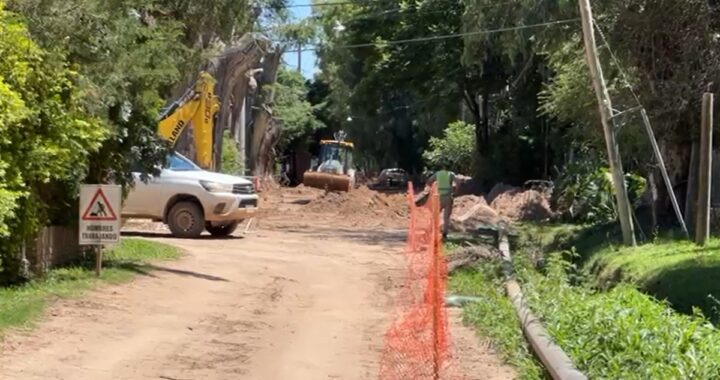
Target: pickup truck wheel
(222,230)
(186,220)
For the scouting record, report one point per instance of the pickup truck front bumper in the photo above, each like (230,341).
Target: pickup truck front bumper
(227,207)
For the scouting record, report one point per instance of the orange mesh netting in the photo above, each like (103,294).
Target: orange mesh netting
(417,343)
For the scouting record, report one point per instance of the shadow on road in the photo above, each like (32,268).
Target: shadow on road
(374,237)
(148,269)
(167,235)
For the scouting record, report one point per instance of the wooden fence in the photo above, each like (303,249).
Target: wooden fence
(53,246)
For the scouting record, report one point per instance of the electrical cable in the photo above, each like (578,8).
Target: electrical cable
(410,11)
(445,36)
(616,61)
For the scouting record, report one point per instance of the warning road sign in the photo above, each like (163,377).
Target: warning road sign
(99,221)
(99,208)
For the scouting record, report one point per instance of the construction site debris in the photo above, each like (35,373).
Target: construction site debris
(471,212)
(468,256)
(498,189)
(361,203)
(518,205)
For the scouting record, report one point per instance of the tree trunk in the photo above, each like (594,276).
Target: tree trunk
(653,193)
(231,69)
(266,133)
(472,104)
(692,186)
(486,118)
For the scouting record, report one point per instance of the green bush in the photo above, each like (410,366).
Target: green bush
(46,136)
(454,150)
(231,160)
(623,333)
(585,192)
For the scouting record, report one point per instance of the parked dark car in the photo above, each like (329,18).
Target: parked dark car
(392,178)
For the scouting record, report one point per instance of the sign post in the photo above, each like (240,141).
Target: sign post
(99,218)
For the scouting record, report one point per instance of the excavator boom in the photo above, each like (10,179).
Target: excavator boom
(197,108)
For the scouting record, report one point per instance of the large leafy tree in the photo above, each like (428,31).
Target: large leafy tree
(46,135)
(392,97)
(293,109)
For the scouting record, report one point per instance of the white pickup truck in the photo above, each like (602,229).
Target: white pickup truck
(190,200)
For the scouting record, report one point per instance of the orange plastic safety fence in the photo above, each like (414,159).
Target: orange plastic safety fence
(417,343)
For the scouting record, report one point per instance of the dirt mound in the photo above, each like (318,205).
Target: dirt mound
(304,190)
(499,189)
(517,205)
(361,205)
(471,211)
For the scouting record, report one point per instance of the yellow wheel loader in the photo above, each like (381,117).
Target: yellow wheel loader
(334,169)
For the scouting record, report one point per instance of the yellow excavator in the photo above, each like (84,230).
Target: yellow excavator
(198,107)
(334,170)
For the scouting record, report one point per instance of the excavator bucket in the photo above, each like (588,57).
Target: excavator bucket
(332,182)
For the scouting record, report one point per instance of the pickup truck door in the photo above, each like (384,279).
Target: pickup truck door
(142,199)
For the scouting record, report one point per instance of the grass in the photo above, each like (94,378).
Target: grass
(677,271)
(21,305)
(621,333)
(669,269)
(615,333)
(494,318)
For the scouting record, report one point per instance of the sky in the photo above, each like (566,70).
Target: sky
(308,58)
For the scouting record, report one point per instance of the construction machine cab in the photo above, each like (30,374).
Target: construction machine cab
(335,157)
(334,169)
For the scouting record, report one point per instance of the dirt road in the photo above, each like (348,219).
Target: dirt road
(292,301)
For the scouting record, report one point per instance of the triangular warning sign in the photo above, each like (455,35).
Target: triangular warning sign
(99,208)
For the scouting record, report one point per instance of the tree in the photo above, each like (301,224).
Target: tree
(455,150)
(293,109)
(46,136)
(395,96)
(83,86)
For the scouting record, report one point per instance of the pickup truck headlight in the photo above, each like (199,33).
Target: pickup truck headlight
(215,187)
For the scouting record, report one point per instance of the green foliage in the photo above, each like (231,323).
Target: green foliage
(495,319)
(391,99)
(21,305)
(46,135)
(621,334)
(585,192)
(454,150)
(676,271)
(232,162)
(292,107)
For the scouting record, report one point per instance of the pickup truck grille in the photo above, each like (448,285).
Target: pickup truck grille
(245,203)
(243,188)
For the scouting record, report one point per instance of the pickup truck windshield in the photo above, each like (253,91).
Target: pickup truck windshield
(179,163)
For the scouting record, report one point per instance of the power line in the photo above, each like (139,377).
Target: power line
(412,11)
(368,2)
(328,4)
(446,36)
(616,61)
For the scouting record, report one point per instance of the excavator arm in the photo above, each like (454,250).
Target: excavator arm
(197,108)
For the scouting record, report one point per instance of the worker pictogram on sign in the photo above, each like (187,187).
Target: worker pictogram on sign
(99,208)
(99,214)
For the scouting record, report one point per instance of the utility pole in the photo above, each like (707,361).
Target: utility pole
(702,227)
(299,57)
(596,73)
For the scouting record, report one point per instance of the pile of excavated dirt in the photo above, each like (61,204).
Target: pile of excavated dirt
(361,205)
(498,189)
(470,212)
(518,205)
